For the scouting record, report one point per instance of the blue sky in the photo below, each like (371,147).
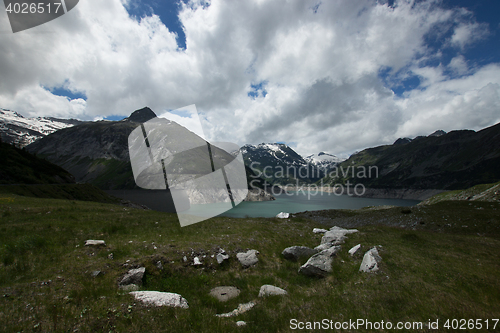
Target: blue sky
(333,76)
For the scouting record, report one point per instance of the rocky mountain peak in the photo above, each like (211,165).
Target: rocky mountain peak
(438,133)
(142,115)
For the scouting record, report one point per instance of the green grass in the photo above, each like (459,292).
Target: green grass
(429,270)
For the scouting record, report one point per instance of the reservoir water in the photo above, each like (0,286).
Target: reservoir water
(300,202)
(291,202)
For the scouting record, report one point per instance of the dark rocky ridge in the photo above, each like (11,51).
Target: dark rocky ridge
(456,160)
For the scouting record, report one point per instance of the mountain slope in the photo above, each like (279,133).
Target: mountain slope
(17,166)
(98,152)
(456,160)
(21,131)
(94,152)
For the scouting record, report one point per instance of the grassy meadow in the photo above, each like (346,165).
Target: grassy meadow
(440,262)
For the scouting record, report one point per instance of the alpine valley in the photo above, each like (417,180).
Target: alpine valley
(97,153)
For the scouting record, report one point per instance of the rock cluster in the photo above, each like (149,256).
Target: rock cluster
(321,257)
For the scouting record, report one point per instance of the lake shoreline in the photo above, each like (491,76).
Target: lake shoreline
(375,193)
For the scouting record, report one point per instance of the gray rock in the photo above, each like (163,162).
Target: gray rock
(159,265)
(224,293)
(283,215)
(319,231)
(320,264)
(222,256)
(241,309)
(241,323)
(93,242)
(196,261)
(96,273)
(294,253)
(269,290)
(370,262)
(248,258)
(354,249)
(134,276)
(322,247)
(336,235)
(158,298)
(347,231)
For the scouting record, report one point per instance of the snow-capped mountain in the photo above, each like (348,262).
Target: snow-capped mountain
(273,153)
(21,131)
(323,160)
(280,164)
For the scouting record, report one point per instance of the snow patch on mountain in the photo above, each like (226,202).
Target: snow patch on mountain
(323,159)
(21,131)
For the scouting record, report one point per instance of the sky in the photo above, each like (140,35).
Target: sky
(333,76)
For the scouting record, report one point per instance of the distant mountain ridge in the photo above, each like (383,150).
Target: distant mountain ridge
(21,131)
(323,160)
(455,160)
(279,164)
(401,141)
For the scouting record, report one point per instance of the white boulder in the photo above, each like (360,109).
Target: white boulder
(158,298)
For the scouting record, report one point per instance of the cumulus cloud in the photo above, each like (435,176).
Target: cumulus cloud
(320,64)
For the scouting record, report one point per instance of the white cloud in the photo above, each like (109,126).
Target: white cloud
(321,69)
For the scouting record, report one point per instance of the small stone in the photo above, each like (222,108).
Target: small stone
(320,264)
(354,249)
(158,298)
(248,258)
(185,259)
(370,261)
(134,276)
(283,215)
(196,261)
(242,308)
(241,323)
(110,256)
(319,231)
(222,256)
(269,290)
(96,273)
(224,293)
(93,242)
(159,265)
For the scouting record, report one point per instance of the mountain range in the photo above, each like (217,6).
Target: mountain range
(21,131)
(445,161)
(97,153)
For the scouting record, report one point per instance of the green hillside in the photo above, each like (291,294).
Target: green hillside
(17,166)
(439,262)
